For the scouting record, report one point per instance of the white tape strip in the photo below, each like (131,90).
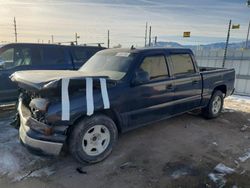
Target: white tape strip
(65,99)
(89,96)
(104,91)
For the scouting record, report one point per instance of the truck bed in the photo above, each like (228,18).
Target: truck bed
(214,77)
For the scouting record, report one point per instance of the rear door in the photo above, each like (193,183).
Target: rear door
(151,101)
(187,82)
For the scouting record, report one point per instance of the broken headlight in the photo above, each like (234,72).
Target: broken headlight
(39,107)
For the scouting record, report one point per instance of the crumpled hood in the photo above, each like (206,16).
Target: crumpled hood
(38,79)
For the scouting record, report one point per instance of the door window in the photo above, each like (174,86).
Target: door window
(155,66)
(182,64)
(54,56)
(80,55)
(23,56)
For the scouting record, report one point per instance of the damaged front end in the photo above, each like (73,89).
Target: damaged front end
(42,105)
(34,131)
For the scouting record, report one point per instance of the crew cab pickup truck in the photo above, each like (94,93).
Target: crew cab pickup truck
(114,91)
(28,56)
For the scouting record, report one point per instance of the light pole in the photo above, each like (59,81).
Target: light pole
(248,4)
(234,26)
(228,36)
(247,35)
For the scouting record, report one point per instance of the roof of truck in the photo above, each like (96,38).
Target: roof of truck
(148,49)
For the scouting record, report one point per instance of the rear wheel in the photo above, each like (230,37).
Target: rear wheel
(93,138)
(215,105)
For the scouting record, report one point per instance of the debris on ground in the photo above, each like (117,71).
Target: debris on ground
(245,157)
(42,172)
(46,171)
(178,173)
(244,128)
(218,176)
(218,179)
(80,170)
(215,143)
(178,169)
(221,168)
(128,165)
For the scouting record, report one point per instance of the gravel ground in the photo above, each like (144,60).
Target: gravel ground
(185,151)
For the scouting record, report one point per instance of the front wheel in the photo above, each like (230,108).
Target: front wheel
(215,105)
(93,138)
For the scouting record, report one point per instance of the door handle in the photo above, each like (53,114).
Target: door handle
(195,82)
(169,86)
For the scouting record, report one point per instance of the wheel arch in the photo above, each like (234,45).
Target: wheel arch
(222,88)
(108,112)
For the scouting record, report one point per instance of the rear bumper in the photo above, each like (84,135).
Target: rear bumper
(46,147)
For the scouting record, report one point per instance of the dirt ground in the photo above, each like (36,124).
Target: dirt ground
(178,152)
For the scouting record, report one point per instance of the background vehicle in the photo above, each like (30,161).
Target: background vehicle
(144,85)
(26,56)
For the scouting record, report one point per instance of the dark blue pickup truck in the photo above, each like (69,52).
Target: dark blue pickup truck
(27,56)
(114,91)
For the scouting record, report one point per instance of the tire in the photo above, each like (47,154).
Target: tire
(214,106)
(93,139)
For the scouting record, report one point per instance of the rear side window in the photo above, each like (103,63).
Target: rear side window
(182,64)
(155,66)
(80,55)
(54,55)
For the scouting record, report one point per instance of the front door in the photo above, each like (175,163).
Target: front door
(149,101)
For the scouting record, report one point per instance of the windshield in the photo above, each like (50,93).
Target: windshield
(108,63)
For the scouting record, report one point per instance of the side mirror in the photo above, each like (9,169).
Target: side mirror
(141,77)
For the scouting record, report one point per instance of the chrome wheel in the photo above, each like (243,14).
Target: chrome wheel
(216,105)
(96,140)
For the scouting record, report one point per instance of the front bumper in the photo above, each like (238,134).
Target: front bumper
(47,147)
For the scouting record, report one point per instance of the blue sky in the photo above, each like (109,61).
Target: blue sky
(206,19)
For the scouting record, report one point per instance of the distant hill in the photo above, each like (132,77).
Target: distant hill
(220,45)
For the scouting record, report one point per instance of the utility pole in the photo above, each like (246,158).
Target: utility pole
(77,37)
(248,4)
(52,39)
(247,35)
(155,40)
(146,32)
(149,37)
(228,36)
(108,42)
(15,29)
